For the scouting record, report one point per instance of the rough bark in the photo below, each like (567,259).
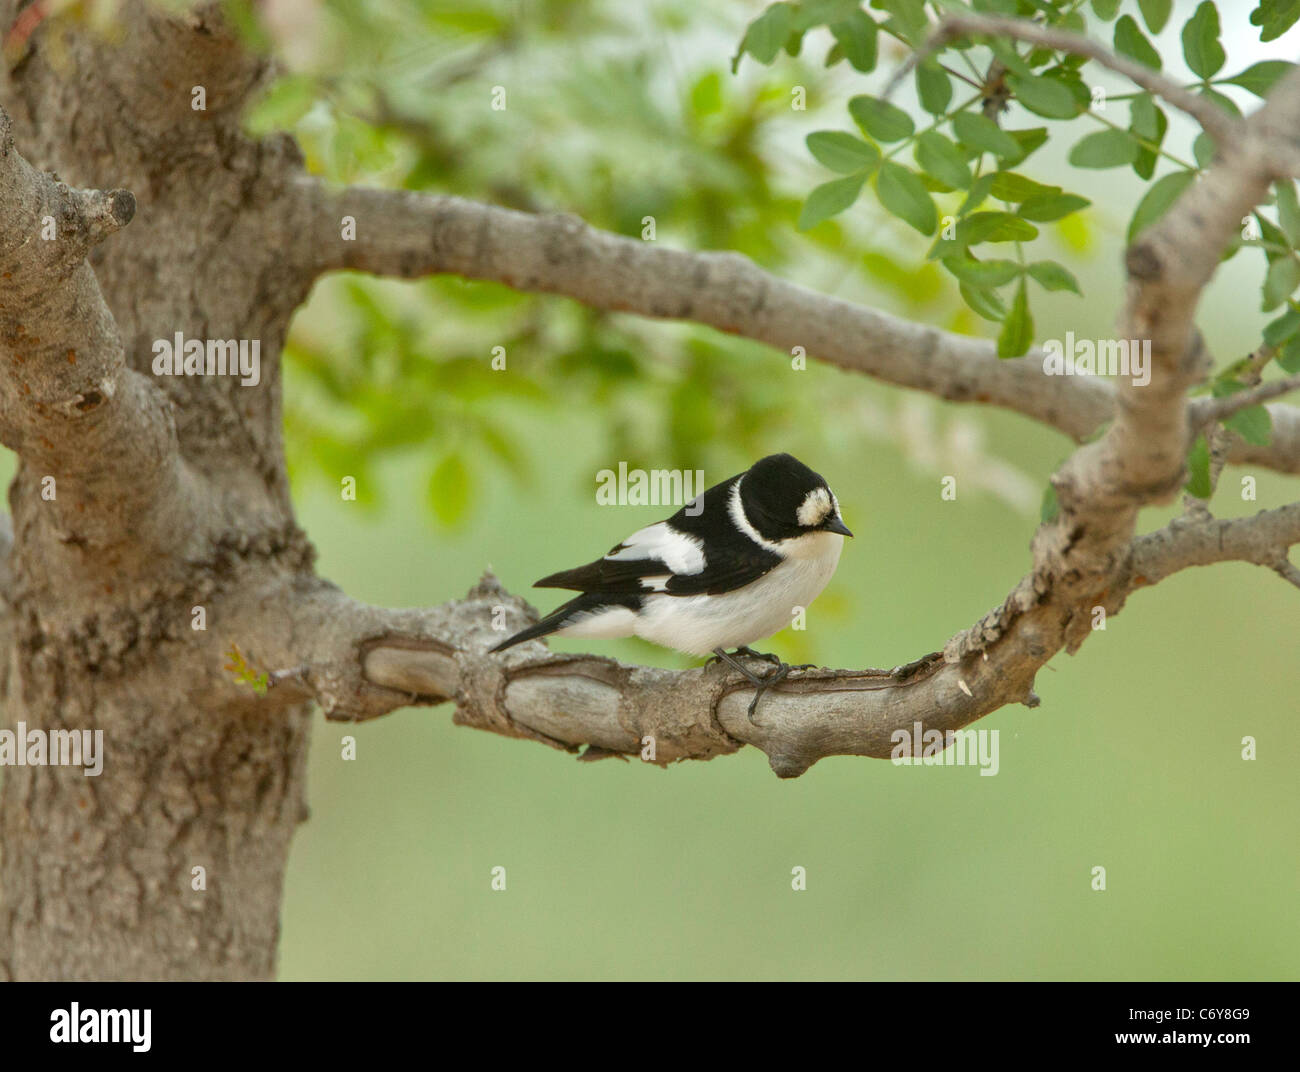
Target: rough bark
(171,495)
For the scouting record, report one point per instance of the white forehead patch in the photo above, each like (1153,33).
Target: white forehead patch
(814,508)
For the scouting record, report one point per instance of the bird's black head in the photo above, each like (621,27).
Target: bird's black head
(782,498)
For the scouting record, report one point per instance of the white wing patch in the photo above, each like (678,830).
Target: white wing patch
(680,552)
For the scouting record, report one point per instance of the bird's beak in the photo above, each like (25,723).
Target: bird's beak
(835,524)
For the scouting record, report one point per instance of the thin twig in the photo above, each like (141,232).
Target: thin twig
(1225,129)
(1217,409)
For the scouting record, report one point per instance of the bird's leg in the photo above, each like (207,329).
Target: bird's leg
(750,653)
(761,684)
(773,658)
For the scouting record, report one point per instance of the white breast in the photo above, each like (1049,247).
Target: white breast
(698,624)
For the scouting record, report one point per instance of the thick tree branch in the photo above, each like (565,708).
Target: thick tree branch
(68,404)
(409,234)
(1263,539)
(363,661)
(1140,460)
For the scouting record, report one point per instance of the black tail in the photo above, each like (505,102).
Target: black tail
(568,613)
(557,619)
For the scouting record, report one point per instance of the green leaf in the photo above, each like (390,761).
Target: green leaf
(1145,118)
(1253,424)
(829,199)
(979,192)
(1132,42)
(1148,122)
(982,274)
(903,194)
(856,36)
(765,36)
(1052,276)
(882,120)
(1075,22)
(1226,103)
(984,302)
(1105,9)
(995,227)
(1047,97)
(1163,193)
(706,94)
(1018,328)
(1201,46)
(1259,77)
(1028,139)
(1008,56)
(1050,508)
(1104,149)
(812,13)
(1052,207)
(979,132)
(1288,212)
(287,101)
(940,158)
(449,489)
(1155,13)
(908,17)
(842,152)
(1285,327)
(1275,17)
(1203,150)
(1225,383)
(1289,358)
(1280,282)
(933,88)
(1009,186)
(1198,470)
(1272,234)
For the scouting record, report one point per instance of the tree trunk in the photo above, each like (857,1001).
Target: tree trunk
(97,876)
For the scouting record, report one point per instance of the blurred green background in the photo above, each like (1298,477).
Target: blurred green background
(616,870)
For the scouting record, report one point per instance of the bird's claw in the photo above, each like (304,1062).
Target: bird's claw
(767,656)
(779,673)
(762,684)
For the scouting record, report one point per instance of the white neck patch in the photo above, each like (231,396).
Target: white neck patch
(737,511)
(814,508)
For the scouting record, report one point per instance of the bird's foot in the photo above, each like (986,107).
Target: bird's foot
(746,652)
(779,673)
(749,653)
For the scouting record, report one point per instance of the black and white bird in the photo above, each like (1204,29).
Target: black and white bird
(716,575)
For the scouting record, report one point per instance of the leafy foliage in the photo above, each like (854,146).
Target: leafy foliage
(593,126)
(381,368)
(968,173)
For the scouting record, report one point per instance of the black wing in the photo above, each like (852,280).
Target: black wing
(696,551)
